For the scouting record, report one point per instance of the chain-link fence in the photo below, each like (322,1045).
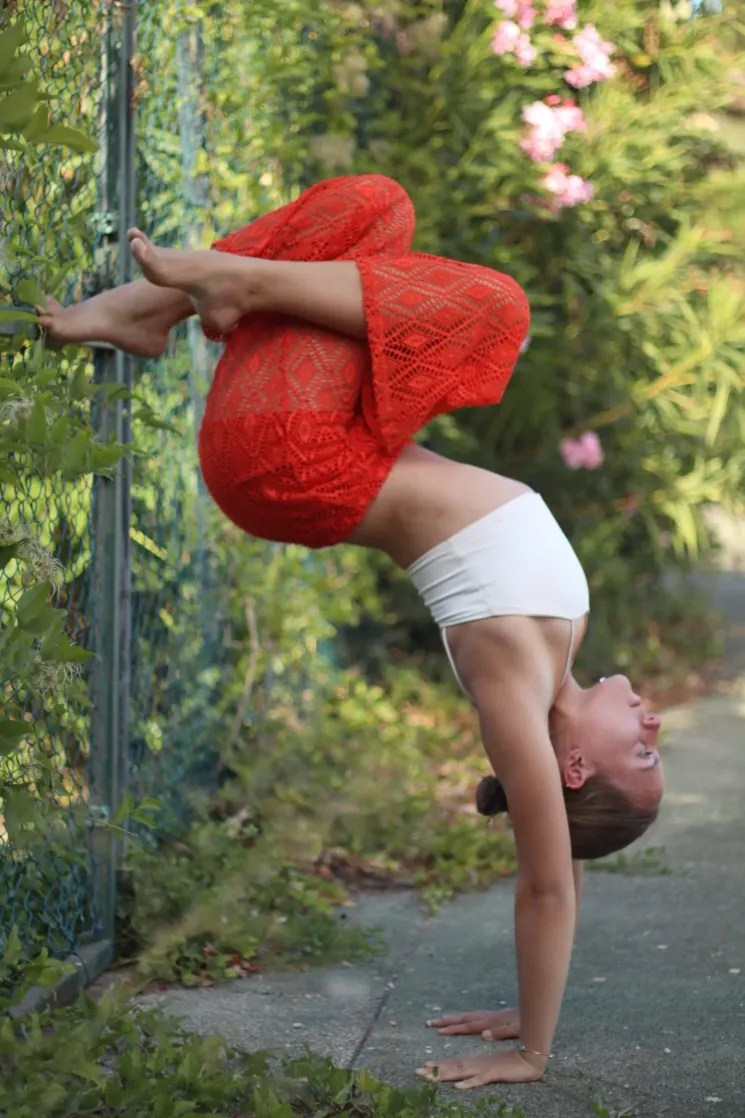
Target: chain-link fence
(49,891)
(140,578)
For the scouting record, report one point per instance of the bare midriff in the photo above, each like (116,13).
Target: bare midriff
(426,499)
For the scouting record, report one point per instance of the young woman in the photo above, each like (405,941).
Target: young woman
(341,343)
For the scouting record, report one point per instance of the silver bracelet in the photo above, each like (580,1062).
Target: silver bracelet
(533,1052)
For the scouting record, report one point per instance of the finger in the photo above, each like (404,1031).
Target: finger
(469,1028)
(457,1019)
(443,1072)
(469,1084)
(507,1032)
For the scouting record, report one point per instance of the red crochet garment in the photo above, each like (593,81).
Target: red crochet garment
(302,425)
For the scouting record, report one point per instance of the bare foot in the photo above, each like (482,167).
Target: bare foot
(136,318)
(223,288)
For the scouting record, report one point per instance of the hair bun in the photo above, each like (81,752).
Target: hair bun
(490,797)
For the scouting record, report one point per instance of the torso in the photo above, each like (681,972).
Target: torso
(426,500)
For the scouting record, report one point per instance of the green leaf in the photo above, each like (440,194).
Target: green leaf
(78,389)
(147,417)
(7,552)
(12,315)
(64,651)
(11,733)
(39,123)
(76,456)
(9,387)
(124,810)
(13,949)
(104,457)
(17,108)
(19,808)
(8,144)
(10,41)
(61,136)
(32,602)
(36,424)
(14,74)
(28,291)
(44,621)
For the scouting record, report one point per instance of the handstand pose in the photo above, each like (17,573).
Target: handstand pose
(340,344)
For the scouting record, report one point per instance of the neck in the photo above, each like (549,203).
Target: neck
(565,702)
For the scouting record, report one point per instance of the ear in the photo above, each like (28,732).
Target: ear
(574,770)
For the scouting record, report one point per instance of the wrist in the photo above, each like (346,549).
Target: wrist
(535,1059)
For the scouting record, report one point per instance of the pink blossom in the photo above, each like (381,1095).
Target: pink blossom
(570,190)
(582,453)
(549,126)
(509,7)
(525,14)
(525,52)
(562,13)
(552,99)
(505,37)
(571,117)
(595,54)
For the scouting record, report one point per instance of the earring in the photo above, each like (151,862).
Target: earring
(602,679)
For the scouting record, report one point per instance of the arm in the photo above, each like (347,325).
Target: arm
(515,734)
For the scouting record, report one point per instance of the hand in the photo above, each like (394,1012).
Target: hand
(504,1024)
(477,1071)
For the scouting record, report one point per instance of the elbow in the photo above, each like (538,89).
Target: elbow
(549,894)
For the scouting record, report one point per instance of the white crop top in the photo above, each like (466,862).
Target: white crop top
(514,561)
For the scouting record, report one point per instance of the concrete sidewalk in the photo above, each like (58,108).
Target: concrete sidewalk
(653,1022)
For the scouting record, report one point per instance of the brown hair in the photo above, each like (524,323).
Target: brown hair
(602,819)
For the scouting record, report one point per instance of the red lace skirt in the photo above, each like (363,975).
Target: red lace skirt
(302,425)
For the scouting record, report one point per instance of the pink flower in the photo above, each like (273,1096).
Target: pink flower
(525,52)
(584,453)
(570,190)
(549,126)
(505,37)
(562,13)
(571,117)
(595,54)
(552,99)
(522,9)
(525,14)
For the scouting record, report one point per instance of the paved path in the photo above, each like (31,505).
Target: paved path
(654,1019)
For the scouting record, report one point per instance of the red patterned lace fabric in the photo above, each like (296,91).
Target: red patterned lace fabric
(302,426)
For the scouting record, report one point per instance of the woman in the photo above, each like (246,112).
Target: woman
(340,344)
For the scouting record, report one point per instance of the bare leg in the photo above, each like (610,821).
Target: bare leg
(225,287)
(136,317)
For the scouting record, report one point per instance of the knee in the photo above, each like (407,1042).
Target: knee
(510,306)
(382,197)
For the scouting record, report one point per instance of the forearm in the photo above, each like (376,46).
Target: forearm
(544,927)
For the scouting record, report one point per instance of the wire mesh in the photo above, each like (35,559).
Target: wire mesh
(53,893)
(176,611)
(47,891)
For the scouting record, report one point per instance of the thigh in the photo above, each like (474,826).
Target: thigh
(342,218)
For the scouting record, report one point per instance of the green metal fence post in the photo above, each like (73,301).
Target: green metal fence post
(110,714)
